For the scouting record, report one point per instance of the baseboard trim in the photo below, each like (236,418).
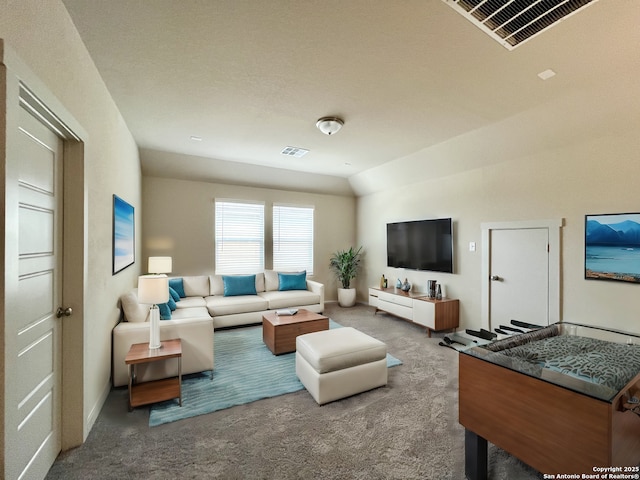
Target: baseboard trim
(95,410)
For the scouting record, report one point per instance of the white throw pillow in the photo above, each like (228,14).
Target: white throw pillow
(271,281)
(260,282)
(216,285)
(196,286)
(134,312)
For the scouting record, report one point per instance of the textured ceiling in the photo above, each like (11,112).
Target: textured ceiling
(252,77)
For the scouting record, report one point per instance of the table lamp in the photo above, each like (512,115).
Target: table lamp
(153,289)
(159,265)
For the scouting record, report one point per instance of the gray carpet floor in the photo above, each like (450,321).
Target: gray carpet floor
(406,430)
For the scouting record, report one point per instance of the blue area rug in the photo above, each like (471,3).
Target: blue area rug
(245,371)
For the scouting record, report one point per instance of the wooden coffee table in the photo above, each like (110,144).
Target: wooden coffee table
(156,390)
(279,332)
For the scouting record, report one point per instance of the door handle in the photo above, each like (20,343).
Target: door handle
(496,278)
(64,312)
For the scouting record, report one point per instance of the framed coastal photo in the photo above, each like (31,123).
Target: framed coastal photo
(612,247)
(124,243)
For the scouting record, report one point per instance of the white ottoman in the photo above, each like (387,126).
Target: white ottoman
(340,362)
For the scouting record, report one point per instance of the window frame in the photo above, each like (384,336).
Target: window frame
(306,260)
(245,261)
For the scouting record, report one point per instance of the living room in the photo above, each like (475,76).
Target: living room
(581,160)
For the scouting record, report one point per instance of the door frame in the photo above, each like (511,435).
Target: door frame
(73,248)
(21,88)
(554,227)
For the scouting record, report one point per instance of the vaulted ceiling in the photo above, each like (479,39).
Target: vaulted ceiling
(214,90)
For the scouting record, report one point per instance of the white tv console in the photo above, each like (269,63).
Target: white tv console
(416,307)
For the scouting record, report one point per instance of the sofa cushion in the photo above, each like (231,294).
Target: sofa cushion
(191,312)
(133,311)
(216,285)
(178,286)
(196,286)
(271,281)
(260,282)
(219,305)
(292,281)
(172,303)
(290,298)
(190,302)
(165,311)
(235,285)
(175,295)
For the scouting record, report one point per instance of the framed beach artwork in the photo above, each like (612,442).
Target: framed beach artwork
(612,247)
(124,243)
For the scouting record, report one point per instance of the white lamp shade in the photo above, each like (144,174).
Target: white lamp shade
(153,289)
(159,265)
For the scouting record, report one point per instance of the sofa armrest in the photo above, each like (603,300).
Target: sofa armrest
(317,288)
(197,348)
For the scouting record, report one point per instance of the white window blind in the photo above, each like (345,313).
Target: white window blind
(239,237)
(293,238)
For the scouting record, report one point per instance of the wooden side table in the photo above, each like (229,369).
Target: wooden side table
(156,390)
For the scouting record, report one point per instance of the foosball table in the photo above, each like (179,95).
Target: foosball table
(564,399)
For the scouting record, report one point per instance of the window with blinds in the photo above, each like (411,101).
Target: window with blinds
(293,238)
(239,237)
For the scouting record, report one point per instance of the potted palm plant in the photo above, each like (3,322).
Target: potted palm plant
(345,264)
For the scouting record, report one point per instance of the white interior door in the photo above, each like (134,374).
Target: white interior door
(519,276)
(34,387)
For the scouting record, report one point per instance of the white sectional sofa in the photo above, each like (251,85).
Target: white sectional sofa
(206,303)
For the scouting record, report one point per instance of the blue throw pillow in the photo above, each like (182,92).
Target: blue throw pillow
(292,281)
(165,311)
(174,294)
(239,285)
(176,284)
(172,304)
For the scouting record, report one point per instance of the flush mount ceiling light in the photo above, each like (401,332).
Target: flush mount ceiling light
(329,125)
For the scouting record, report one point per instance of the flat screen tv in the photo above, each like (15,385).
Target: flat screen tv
(421,245)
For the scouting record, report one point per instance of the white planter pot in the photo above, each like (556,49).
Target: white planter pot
(347,297)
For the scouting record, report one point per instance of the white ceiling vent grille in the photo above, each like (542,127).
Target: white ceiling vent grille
(513,22)
(294,151)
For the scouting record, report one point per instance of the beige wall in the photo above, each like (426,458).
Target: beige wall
(179,215)
(58,68)
(598,175)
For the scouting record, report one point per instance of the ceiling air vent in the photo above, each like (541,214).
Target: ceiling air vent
(513,22)
(294,151)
